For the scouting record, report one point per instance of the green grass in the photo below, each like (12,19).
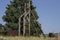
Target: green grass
(27,38)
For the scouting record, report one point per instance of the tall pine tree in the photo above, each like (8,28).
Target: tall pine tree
(14,10)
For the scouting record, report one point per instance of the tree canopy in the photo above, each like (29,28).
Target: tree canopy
(14,10)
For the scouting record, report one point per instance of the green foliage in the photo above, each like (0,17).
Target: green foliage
(1,28)
(14,10)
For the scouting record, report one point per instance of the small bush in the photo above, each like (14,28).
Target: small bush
(51,35)
(12,33)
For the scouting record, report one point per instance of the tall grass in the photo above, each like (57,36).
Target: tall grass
(27,38)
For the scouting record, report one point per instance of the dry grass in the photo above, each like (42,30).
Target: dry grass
(27,38)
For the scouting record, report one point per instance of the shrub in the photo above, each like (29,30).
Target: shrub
(51,35)
(12,32)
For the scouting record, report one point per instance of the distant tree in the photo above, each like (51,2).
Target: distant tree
(51,35)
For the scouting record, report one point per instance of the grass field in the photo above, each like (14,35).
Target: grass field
(27,38)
